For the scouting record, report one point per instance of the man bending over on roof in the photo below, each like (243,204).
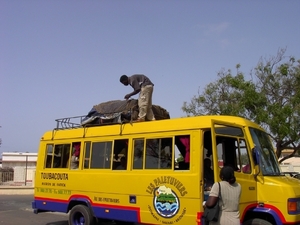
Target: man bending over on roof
(143,85)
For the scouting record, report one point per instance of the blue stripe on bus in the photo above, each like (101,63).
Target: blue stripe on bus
(104,211)
(116,213)
(51,206)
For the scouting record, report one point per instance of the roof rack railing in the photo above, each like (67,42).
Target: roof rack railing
(69,122)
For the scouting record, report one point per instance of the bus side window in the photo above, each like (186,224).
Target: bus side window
(243,156)
(87,153)
(57,156)
(138,153)
(235,154)
(49,155)
(182,144)
(66,155)
(228,152)
(101,155)
(75,155)
(159,153)
(61,155)
(120,154)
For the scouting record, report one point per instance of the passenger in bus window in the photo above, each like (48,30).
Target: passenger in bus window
(75,157)
(57,156)
(123,164)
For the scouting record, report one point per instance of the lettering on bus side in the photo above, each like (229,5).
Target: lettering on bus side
(166,203)
(167,180)
(54,176)
(53,191)
(110,200)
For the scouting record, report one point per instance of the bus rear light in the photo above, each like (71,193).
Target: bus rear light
(293,206)
(199,216)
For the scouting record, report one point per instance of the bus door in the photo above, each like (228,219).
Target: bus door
(231,148)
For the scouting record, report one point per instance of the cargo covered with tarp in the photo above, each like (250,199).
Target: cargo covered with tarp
(119,111)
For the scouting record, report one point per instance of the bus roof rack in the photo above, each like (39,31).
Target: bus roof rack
(107,113)
(69,122)
(88,121)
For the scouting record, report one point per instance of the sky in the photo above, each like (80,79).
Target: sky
(60,58)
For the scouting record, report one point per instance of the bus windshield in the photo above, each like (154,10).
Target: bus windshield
(268,162)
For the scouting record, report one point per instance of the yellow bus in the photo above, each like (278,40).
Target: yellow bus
(153,173)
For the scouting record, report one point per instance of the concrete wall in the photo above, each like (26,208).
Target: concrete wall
(19,190)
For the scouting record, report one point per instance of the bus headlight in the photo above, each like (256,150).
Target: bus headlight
(293,206)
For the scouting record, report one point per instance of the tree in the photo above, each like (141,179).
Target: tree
(271,98)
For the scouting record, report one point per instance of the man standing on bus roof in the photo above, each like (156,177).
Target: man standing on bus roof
(143,85)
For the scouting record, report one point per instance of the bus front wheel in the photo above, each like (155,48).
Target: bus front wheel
(81,215)
(257,222)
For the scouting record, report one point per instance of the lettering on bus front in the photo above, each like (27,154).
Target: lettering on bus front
(166,202)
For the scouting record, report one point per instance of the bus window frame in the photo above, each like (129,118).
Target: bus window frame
(214,135)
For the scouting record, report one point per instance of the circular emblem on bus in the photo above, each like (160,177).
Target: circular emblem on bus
(166,202)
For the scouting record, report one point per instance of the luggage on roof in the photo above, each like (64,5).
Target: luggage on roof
(111,112)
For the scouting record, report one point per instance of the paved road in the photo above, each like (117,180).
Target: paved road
(16,209)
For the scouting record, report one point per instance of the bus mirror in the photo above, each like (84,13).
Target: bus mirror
(256,160)
(255,155)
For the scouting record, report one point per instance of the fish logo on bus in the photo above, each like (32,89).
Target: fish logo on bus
(166,202)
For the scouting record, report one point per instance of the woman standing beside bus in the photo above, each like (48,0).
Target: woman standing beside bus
(229,198)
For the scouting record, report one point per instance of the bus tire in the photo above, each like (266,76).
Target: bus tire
(257,221)
(81,214)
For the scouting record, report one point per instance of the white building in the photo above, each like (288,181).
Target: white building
(23,164)
(19,159)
